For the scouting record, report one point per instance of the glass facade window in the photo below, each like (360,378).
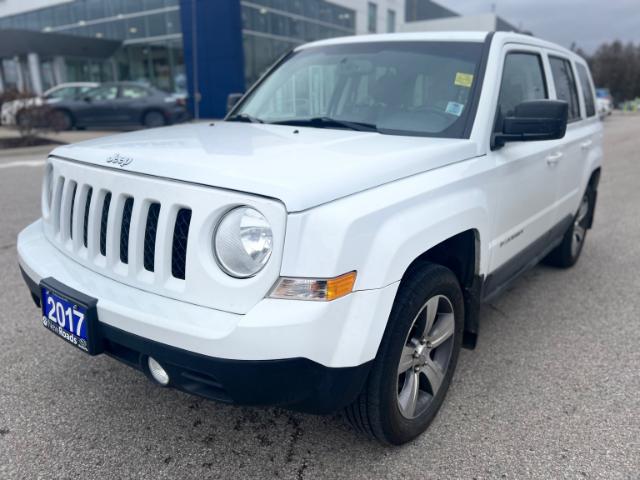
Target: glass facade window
(391,21)
(11,75)
(372,17)
(272,27)
(151,36)
(149,29)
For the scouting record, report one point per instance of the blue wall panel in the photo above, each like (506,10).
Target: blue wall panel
(217,68)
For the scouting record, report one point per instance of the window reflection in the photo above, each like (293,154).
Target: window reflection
(155,56)
(273,27)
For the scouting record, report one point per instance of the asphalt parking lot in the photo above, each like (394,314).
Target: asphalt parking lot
(552,391)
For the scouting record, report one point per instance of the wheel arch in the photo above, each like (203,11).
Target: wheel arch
(460,253)
(594,181)
(68,112)
(148,110)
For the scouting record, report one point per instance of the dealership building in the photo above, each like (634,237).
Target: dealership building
(206,48)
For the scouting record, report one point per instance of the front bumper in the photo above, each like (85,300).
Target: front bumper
(7,119)
(178,115)
(296,383)
(311,356)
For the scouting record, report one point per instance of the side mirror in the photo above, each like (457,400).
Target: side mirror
(87,99)
(232,100)
(533,121)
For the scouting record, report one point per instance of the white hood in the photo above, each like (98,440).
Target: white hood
(302,167)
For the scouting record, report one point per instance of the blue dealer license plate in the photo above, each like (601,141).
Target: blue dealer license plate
(68,316)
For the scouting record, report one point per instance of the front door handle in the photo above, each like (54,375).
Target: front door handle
(586,145)
(554,158)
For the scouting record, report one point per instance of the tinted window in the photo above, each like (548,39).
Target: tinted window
(62,93)
(132,91)
(587,90)
(103,93)
(372,21)
(417,88)
(391,21)
(522,80)
(565,85)
(81,90)
(68,92)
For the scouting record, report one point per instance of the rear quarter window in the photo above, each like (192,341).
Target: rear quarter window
(587,90)
(565,84)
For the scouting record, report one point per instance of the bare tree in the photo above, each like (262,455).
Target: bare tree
(617,67)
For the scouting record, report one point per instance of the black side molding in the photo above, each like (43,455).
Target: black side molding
(500,279)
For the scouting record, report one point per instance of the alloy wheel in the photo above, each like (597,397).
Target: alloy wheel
(425,356)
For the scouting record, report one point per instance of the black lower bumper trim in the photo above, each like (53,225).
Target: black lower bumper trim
(296,383)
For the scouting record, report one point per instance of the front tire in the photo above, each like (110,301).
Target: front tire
(61,120)
(416,359)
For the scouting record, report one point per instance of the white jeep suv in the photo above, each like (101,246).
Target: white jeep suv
(328,245)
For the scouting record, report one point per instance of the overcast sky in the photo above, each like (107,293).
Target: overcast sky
(586,22)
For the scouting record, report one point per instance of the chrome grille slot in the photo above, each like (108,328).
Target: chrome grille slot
(180,240)
(124,230)
(57,204)
(151,231)
(85,227)
(73,203)
(103,224)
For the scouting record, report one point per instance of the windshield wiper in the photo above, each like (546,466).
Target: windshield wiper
(244,117)
(327,122)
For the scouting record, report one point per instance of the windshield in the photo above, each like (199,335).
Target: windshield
(65,93)
(410,88)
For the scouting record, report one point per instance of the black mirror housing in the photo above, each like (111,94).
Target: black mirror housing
(533,121)
(232,100)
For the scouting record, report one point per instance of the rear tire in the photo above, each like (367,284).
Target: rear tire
(568,252)
(153,118)
(416,359)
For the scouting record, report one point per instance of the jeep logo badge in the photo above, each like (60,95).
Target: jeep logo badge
(119,160)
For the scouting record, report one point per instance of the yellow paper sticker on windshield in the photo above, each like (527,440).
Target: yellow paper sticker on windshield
(464,79)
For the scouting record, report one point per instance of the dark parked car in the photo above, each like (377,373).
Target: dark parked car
(119,104)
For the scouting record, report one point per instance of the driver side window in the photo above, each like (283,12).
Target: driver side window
(522,80)
(103,93)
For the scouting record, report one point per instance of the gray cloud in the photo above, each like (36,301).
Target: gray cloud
(588,23)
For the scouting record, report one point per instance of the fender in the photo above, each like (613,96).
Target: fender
(381,231)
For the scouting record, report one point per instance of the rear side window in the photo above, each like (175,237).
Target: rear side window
(522,81)
(131,91)
(565,84)
(587,90)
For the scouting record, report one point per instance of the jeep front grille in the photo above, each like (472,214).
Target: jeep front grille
(153,233)
(71,193)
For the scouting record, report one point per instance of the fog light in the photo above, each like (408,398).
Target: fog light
(158,373)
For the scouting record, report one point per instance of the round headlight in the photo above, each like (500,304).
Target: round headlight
(243,241)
